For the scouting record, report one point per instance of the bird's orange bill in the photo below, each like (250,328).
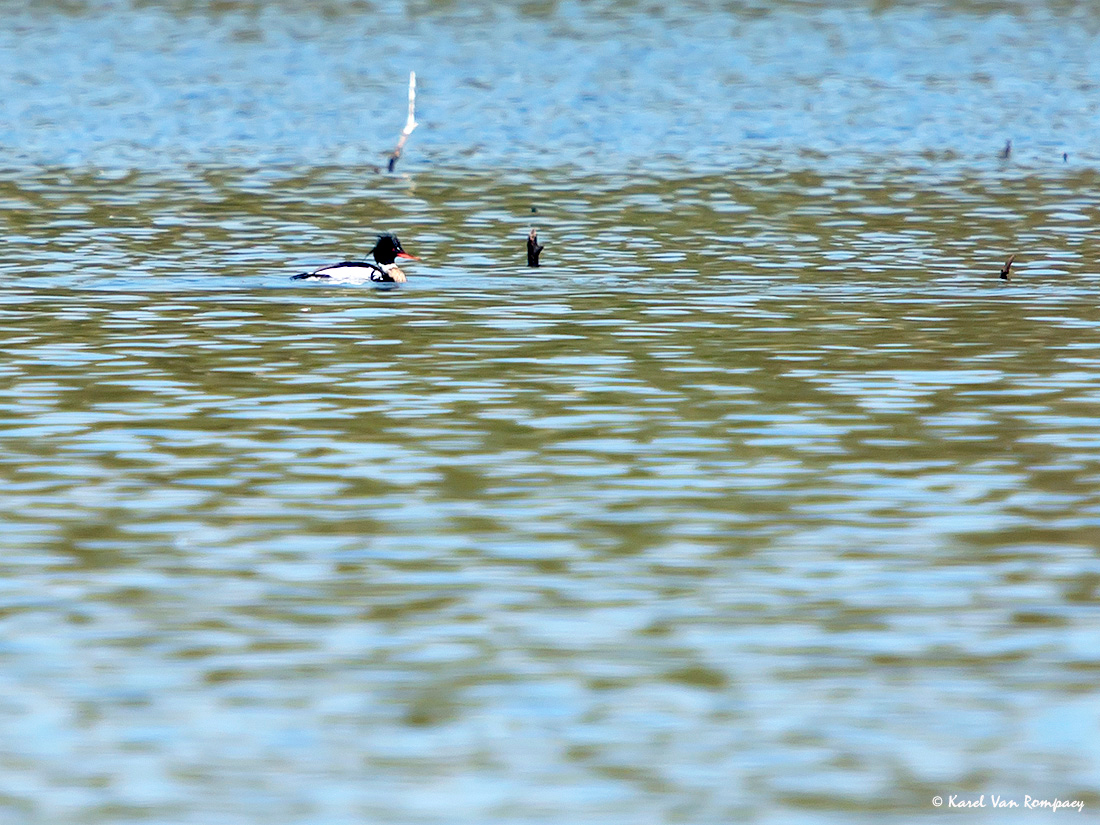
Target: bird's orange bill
(404,254)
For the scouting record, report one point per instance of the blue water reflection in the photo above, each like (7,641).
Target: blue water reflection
(763,499)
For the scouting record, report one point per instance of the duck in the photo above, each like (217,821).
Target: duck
(383,270)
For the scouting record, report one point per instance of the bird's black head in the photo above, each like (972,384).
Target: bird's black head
(388,249)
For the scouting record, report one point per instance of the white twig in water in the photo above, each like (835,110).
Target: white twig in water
(410,124)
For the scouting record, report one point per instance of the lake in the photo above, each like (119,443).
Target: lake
(764,499)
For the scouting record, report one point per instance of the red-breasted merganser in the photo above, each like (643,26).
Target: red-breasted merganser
(383,270)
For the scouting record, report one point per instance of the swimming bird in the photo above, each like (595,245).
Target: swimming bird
(1006,270)
(383,270)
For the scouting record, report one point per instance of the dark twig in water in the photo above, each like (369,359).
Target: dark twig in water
(1006,270)
(1007,150)
(534,248)
(410,123)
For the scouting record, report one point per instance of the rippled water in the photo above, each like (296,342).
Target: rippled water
(599,85)
(764,499)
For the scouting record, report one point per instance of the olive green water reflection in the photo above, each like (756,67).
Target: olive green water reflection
(763,500)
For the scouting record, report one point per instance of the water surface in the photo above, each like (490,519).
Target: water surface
(763,500)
